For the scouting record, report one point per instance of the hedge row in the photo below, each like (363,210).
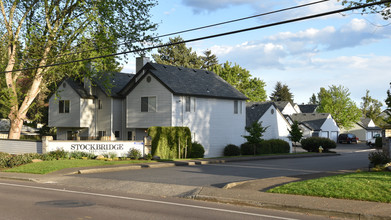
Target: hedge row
(312,144)
(272,146)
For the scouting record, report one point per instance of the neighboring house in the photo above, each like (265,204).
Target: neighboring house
(158,95)
(89,110)
(317,125)
(271,118)
(364,129)
(26,130)
(287,108)
(308,108)
(162,95)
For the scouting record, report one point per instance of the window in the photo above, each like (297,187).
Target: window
(69,135)
(148,104)
(188,103)
(64,106)
(116,134)
(100,104)
(237,107)
(101,133)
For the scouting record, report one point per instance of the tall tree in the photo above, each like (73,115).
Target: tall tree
(40,33)
(209,60)
(281,93)
(178,55)
(242,80)
(313,100)
(387,119)
(371,108)
(382,9)
(337,102)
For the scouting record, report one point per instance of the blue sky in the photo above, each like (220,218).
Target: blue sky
(346,49)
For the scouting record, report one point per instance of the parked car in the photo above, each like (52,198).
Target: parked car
(347,138)
(371,142)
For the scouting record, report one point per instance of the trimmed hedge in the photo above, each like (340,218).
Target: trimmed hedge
(312,144)
(231,150)
(165,141)
(197,150)
(272,146)
(379,143)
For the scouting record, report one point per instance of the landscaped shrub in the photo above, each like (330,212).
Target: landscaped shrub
(59,154)
(165,141)
(81,155)
(4,157)
(264,147)
(312,144)
(273,146)
(378,158)
(248,149)
(231,150)
(197,150)
(17,160)
(134,154)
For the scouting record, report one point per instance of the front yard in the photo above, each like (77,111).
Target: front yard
(368,186)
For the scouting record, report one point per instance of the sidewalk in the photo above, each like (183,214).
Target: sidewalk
(243,193)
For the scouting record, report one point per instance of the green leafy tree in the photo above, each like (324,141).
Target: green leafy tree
(209,60)
(371,108)
(382,9)
(242,80)
(295,133)
(337,102)
(178,54)
(255,132)
(40,33)
(281,93)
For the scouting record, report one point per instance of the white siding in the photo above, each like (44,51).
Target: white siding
(137,119)
(329,126)
(211,121)
(289,110)
(71,119)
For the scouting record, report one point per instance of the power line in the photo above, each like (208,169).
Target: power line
(213,36)
(209,26)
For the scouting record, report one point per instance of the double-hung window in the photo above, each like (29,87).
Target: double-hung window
(148,104)
(64,106)
(237,107)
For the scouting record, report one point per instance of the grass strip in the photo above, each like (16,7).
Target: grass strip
(45,167)
(366,186)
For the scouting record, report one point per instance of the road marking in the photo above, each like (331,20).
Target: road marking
(364,150)
(147,200)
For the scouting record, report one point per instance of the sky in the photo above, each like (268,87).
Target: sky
(347,49)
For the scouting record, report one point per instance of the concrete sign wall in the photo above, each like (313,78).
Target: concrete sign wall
(121,148)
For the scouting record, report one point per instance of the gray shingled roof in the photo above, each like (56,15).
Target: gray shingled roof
(109,83)
(255,110)
(281,105)
(364,122)
(308,108)
(186,81)
(313,120)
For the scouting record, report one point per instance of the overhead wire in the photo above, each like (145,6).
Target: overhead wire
(208,26)
(213,36)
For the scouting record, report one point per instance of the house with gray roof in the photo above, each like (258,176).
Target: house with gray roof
(308,108)
(364,129)
(158,95)
(269,115)
(317,124)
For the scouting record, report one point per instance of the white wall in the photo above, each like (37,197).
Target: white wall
(137,119)
(329,126)
(289,110)
(211,121)
(71,119)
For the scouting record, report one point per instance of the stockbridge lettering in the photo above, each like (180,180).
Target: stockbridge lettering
(92,147)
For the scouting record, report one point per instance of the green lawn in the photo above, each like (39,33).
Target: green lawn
(45,167)
(368,186)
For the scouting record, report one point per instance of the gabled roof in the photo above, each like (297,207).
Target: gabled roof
(186,81)
(110,83)
(281,105)
(255,110)
(364,123)
(308,108)
(313,121)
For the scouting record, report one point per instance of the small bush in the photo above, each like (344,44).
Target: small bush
(378,158)
(231,150)
(4,157)
(273,146)
(59,154)
(134,154)
(312,144)
(197,150)
(264,147)
(148,157)
(248,149)
(81,155)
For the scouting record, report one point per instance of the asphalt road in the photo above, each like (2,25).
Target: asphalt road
(352,156)
(24,200)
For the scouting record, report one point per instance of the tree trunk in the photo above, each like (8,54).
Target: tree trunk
(15,128)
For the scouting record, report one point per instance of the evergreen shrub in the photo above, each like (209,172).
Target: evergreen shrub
(248,149)
(312,144)
(378,142)
(378,158)
(231,150)
(197,150)
(165,141)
